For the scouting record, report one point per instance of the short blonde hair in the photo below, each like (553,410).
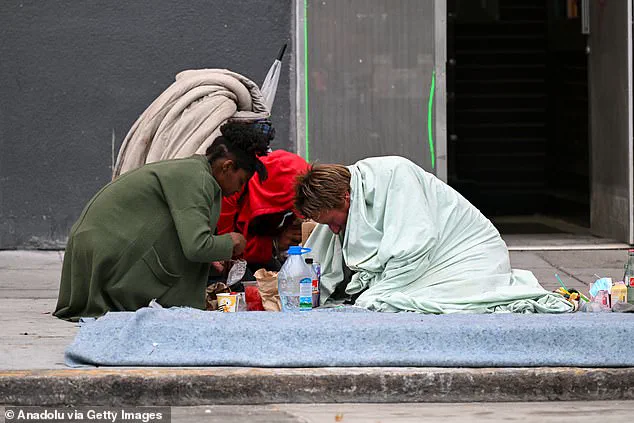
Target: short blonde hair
(321,187)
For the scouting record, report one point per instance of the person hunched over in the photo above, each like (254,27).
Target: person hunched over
(149,234)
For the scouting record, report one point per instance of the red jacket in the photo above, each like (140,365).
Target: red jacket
(275,195)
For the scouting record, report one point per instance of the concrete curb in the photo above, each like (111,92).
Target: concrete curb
(198,386)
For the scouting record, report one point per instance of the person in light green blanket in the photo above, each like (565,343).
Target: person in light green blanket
(149,234)
(412,242)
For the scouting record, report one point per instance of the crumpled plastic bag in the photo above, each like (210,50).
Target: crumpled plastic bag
(238,269)
(267,286)
(154,304)
(601,284)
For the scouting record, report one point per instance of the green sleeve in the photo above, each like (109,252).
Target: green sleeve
(194,200)
(197,239)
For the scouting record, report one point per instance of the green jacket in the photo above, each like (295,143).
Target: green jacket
(146,235)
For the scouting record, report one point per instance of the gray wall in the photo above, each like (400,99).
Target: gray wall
(73,73)
(369,75)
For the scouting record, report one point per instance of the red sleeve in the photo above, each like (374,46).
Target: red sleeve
(259,249)
(228,211)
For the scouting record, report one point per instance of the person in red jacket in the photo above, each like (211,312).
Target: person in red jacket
(264,212)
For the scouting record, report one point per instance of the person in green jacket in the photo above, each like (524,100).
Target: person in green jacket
(149,234)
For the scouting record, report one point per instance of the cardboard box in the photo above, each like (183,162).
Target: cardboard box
(307,229)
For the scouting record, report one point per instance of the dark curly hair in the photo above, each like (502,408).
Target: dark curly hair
(242,143)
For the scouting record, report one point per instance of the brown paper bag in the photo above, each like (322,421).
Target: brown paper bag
(267,286)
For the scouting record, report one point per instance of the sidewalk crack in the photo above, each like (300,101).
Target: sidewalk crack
(561,269)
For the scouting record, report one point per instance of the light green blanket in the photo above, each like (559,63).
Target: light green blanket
(415,244)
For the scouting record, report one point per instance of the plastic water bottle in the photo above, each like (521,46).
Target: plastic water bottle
(294,275)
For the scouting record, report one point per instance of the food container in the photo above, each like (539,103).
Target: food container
(252,295)
(228,302)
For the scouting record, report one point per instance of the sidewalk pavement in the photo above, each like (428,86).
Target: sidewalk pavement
(32,370)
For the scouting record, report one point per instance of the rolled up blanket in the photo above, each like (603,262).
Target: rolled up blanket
(186,117)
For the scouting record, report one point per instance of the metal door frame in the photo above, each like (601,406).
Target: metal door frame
(605,223)
(630,126)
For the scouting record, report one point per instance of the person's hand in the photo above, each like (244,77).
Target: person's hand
(291,236)
(239,243)
(219,266)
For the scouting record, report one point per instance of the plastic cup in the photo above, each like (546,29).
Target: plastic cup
(227,302)
(242,301)
(252,294)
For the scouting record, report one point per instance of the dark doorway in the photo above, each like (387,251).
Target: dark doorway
(517,109)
